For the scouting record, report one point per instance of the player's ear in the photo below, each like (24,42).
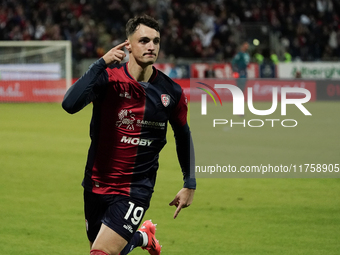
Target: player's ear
(128,45)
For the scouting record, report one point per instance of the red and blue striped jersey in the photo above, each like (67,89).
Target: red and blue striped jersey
(128,128)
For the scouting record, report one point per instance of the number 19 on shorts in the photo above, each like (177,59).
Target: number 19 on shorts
(136,213)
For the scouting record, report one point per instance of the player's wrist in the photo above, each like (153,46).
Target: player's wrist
(106,60)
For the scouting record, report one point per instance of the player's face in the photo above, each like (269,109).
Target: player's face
(144,45)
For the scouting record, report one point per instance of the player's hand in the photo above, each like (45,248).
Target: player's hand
(183,199)
(116,54)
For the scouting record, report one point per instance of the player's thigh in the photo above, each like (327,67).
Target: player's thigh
(124,215)
(109,241)
(95,206)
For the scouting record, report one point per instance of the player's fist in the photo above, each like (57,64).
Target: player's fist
(116,54)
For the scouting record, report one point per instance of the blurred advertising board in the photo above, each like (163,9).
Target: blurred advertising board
(309,70)
(328,90)
(178,71)
(262,89)
(267,70)
(223,70)
(46,71)
(32,91)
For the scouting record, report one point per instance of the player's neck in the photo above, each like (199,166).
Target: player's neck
(138,72)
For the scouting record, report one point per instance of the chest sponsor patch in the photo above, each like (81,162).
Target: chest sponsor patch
(126,119)
(165,99)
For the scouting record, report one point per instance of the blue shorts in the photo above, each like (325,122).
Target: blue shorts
(120,213)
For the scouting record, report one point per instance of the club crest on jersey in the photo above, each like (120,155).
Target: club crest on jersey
(165,99)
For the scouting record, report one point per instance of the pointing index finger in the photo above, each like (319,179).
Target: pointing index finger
(179,208)
(120,46)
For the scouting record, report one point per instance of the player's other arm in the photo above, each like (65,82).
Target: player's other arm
(186,157)
(87,87)
(185,154)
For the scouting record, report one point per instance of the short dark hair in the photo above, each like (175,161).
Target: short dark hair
(146,20)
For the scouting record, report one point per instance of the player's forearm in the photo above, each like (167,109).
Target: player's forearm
(186,155)
(81,92)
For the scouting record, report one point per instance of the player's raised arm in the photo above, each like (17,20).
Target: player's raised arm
(116,54)
(81,92)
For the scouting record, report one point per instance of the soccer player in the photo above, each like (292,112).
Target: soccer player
(239,64)
(132,104)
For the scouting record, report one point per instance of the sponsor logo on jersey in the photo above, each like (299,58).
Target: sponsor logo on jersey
(126,119)
(165,99)
(136,141)
(151,124)
(125,94)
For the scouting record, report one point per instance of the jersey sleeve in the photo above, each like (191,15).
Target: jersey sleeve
(184,144)
(179,115)
(86,88)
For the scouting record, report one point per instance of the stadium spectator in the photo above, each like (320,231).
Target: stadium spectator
(239,64)
(311,27)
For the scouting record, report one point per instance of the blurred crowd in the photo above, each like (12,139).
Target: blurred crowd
(308,29)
